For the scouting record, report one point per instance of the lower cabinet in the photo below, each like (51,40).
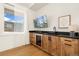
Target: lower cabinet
(32,38)
(54,45)
(45,43)
(69,47)
(57,46)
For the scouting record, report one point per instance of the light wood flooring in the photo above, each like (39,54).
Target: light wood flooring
(28,50)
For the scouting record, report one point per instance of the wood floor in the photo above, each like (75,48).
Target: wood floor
(28,50)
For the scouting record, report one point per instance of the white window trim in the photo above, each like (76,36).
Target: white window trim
(24,26)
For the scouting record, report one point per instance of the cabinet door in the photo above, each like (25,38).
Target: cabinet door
(32,38)
(68,50)
(45,42)
(58,53)
(53,45)
(69,47)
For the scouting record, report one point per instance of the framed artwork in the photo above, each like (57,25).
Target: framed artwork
(64,21)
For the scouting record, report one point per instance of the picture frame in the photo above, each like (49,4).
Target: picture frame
(64,22)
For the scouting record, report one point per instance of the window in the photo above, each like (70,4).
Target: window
(13,20)
(9,26)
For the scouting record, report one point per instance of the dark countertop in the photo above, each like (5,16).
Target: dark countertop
(57,33)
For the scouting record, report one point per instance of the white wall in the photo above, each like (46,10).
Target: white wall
(12,40)
(55,10)
(30,16)
(8,41)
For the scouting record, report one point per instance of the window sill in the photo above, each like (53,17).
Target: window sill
(13,33)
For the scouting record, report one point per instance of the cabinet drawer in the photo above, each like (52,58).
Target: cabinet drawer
(67,42)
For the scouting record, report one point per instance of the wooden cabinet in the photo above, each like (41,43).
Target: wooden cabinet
(69,47)
(54,45)
(57,46)
(45,42)
(32,38)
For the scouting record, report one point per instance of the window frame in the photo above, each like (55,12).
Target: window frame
(24,21)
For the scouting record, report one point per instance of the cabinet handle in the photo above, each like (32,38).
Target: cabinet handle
(68,40)
(67,44)
(49,38)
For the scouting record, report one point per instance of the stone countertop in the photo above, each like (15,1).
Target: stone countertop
(57,33)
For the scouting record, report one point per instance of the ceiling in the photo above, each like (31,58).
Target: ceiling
(33,6)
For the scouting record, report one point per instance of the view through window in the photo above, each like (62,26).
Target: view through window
(13,20)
